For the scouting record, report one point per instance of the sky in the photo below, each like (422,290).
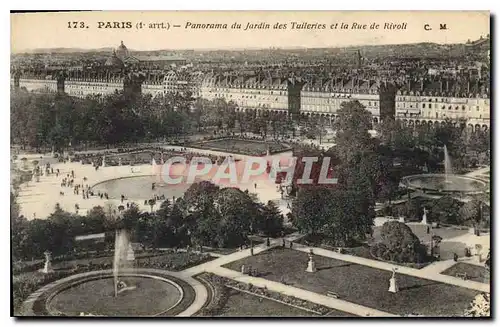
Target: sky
(50,30)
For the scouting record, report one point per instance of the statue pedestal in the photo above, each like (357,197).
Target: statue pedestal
(393,286)
(311,266)
(47,268)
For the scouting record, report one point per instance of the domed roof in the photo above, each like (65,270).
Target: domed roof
(122,46)
(114,61)
(122,51)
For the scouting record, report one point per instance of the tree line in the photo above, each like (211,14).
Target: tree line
(56,121)
(205,216)
(369,170)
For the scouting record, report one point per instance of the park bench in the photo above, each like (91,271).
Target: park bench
(332,294)
(462,275)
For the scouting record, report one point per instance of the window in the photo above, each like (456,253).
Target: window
(423,105)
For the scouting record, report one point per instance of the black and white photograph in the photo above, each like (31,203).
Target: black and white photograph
(225,164)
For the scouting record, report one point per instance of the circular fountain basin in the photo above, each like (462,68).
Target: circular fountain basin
(140,187)
(443,183)
(150,297)
(151,293)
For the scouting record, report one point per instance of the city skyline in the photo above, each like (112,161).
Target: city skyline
(53,31)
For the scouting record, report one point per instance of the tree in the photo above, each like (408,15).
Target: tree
(18,230)
(351,216)
(61,236)
(236,212)
(344,216)
(414,209)
(129,218)
(445,210)
(399,244)
(308,209)
(93,223)
(352,127)
(199,194)
(471,213)
(270,221)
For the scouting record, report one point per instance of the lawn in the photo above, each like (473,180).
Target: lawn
(240,304)
(247,147)
(360,284)
(474,272)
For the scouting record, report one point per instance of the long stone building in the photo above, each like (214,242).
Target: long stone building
(429,100)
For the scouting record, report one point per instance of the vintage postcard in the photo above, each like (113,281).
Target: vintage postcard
(318,164)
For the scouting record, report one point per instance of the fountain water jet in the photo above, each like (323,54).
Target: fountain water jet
(447,183)
(447,165)
(121,258)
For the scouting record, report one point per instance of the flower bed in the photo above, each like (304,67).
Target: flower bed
(220,294)
(176,262)
(22,266)
(24,285)
(265,293)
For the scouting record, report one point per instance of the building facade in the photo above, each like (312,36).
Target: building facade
(325,96)
(431,102)
(247,92)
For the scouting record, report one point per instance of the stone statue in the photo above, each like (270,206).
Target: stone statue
(48,264)
(311,266)
(393,286)
(424,217)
